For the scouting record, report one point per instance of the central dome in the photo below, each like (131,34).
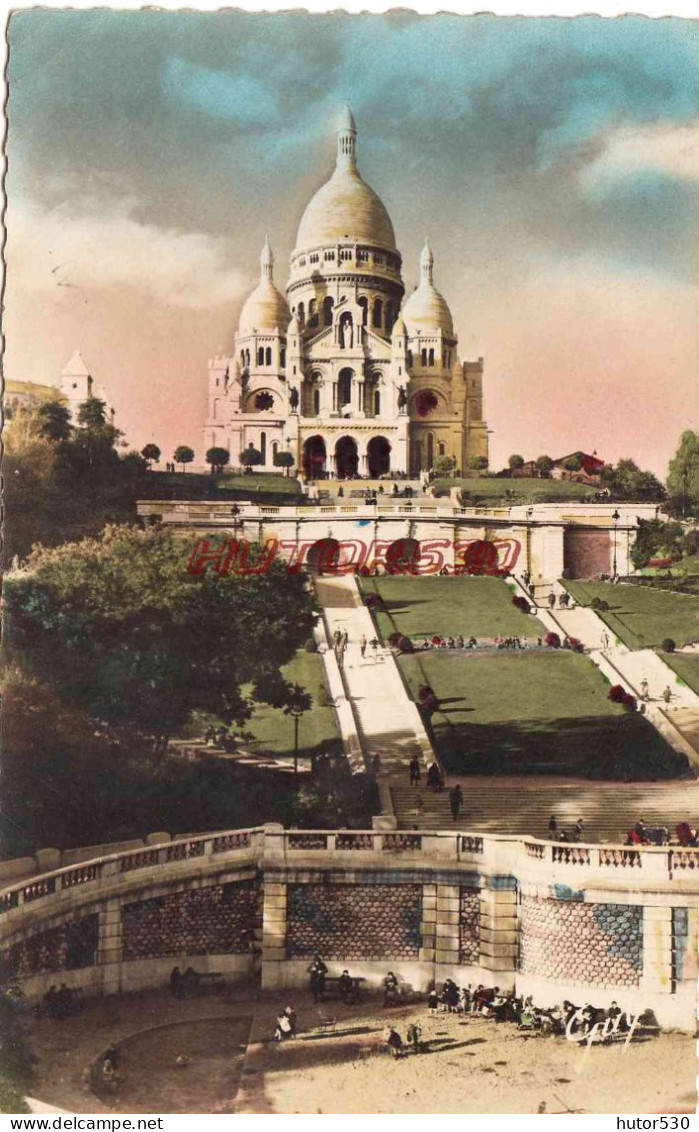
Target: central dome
(345,207)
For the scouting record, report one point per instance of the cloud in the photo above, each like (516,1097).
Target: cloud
(672,151)
(67,248)
(237,97)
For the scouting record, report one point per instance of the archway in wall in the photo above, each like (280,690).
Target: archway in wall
(379,456)
(586,552)
(324,556)
(314,457)
(402,556)
(346,457)
(344,388)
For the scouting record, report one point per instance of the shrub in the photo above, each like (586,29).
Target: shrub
(668,645)
(629,702)
(394,638)
(373,600)
(431,703)
(576,645)
(599,603)
(552,641)
(424,691)
(521,603)
(405,644)
(310,645)
(617,693)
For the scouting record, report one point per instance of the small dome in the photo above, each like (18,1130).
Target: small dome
(345,207)
(266,308)
(426,310)
(398,328)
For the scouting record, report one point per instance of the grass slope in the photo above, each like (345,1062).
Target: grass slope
(640,616)
(686,667)
(479,607)
(486,490)
(545,713)
(318,731)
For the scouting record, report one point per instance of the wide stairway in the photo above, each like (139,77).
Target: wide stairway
(524,805)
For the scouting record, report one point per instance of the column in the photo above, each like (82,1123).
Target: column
(498,929)
(447,925)
(110,948)
(657,950)
(428,924)
(273,929)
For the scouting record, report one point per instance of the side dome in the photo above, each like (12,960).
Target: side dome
(266,308)
(426,310)
(345,207)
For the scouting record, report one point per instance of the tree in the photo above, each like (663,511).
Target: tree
(572,463)
(218,458)
(92,413)
(54,420)
(657,539)
(183,455)
(16,1057)
(151,454)
(250,458)
(138,641)
(628,481)
(544,466)
(284,460)
(443,465)
(683,476)
(516,461)
(478,463)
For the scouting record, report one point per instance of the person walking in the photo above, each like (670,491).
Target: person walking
(413,1036)
(644,690)
(553,827)
(456,801)
(552,600)
(414,767)
(362,646)
(344,640)
(667,694)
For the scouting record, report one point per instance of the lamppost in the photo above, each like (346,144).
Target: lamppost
(530,512)
(616,517)
(235,511)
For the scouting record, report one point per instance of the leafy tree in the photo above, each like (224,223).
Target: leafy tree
(250,458)
(92,413)
(572,463)
(683,477)
(516,461)
(53,418)
(218,458)
(443,465)
(657,539)
(284,460)
(183,455)
(628,481)
(16,1058)
(121,628)
(478,463)
(151,454)
(544,466)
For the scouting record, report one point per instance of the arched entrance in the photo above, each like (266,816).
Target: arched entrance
(324,556)
(402,556)
(378,456)
(346,457)
(314,457)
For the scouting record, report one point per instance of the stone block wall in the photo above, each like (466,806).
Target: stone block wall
(63,948)
(597,944)
(469,925)
(217,919)
(350,922)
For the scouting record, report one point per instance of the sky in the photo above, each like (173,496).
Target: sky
(552,163)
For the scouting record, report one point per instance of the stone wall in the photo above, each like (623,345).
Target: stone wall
(214,920)
(347,922)
(566,940)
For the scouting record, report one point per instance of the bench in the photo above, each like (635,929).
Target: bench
(332,983)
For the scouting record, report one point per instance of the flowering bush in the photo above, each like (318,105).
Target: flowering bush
(617,693)
(394,638)
(521,603)
(576,645)
(629,702)
(552,641)
(437,641)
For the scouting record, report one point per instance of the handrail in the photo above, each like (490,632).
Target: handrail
(657,861)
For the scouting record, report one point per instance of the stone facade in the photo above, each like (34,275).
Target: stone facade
(216,920)
(66,947)
(597,944)
(353,921)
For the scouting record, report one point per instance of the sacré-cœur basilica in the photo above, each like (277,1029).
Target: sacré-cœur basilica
(345,373)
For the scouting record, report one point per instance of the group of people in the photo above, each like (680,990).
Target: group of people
(340,645)
(565,601)
(286,1024)
(183,985)
(556,834)
(346,984)
(425,644)
(641,834)
(60,1002)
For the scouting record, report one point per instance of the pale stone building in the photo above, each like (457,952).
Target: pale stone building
(344,372)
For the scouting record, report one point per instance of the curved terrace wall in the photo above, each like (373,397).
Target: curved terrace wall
(590,923)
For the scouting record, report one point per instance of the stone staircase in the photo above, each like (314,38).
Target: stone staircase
(524,805)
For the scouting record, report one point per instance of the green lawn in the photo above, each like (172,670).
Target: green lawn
(683,576)
(640,616)
(479,607)
(535,713)
(686,667)
(485,490)
(270,487)
(318,731)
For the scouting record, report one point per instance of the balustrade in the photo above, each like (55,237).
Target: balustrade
(82,875)
(227,841)
(307,841)
(620,858)
(401,842)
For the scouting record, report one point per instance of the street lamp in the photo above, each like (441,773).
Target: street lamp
(616,517)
